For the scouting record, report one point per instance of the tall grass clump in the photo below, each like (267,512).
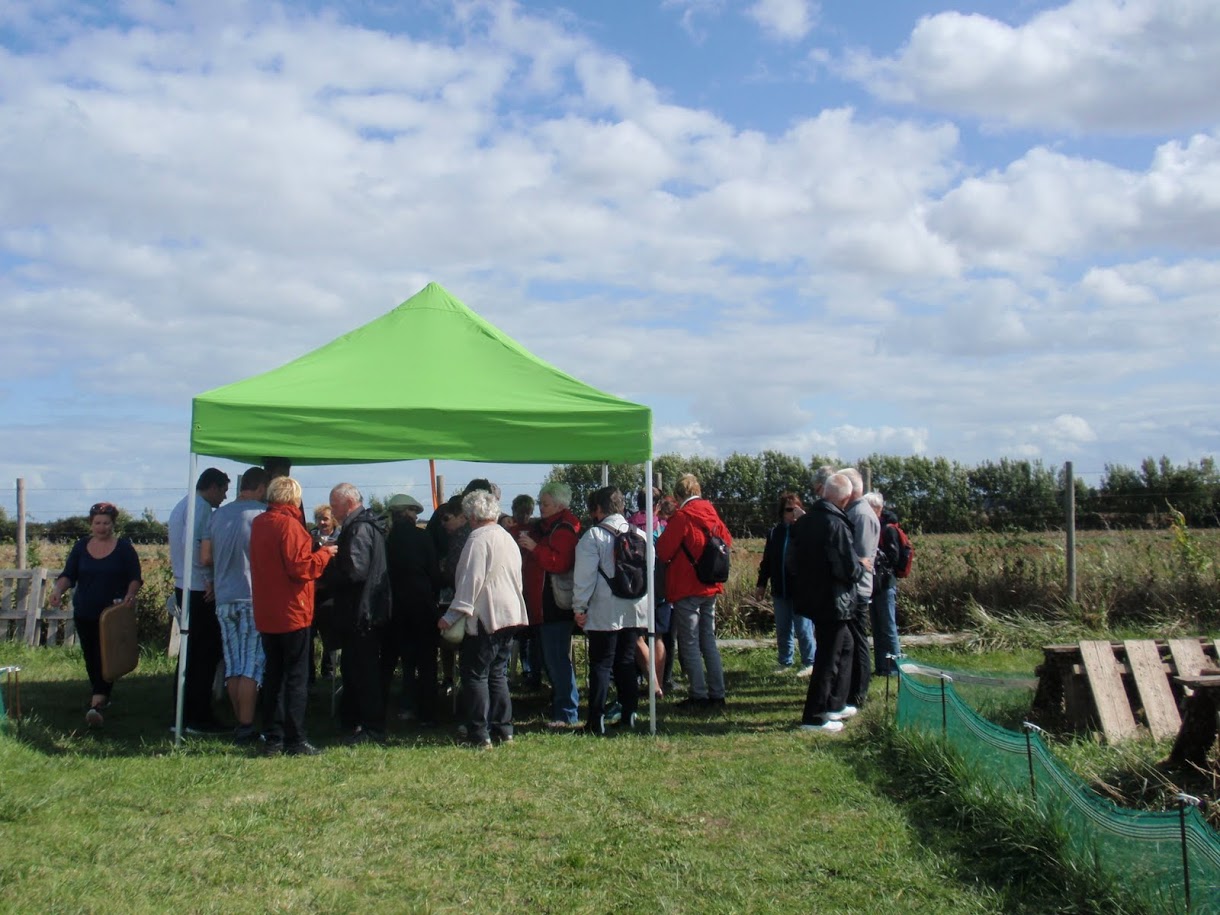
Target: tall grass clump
(997,837)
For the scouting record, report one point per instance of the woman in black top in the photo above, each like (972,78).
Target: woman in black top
(102,571)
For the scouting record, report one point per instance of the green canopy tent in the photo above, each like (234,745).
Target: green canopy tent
(430,379)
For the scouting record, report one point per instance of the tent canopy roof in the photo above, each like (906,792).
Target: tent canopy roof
(430,379)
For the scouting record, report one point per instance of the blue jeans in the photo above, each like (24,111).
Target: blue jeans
(557,655)
(786,622)
(884,611)
(694,618)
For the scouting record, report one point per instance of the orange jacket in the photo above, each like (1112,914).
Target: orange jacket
(556,537)
(686,527)
(283,568)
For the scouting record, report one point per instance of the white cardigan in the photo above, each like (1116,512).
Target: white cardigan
(591,593)
(487,581)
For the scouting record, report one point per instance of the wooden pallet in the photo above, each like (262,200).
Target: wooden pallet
(23,593)
(1124,689)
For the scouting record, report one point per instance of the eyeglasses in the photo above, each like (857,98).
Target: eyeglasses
(103,508)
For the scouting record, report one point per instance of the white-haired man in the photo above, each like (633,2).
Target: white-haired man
(360,582)
(866,533)
(826,572)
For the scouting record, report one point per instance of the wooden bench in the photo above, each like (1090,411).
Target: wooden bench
(1121,688)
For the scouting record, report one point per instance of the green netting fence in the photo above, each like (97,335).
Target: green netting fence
(1169,859)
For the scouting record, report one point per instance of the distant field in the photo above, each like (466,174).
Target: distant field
(1125,579)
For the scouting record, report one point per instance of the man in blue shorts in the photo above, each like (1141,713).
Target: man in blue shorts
(228,550)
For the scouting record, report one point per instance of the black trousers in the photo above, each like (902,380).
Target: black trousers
(87,634)
(861,658)
(363,702)
(612,655)
(204,652)
(831,670)
(285,686)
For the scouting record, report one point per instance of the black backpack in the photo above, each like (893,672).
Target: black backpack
(712,566)
(630,578)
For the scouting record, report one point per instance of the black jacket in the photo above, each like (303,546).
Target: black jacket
(773,567)
(887,553)
(415,573)
(358,576)
(823,564)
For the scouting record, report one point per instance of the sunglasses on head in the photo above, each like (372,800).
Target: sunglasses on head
(103,508)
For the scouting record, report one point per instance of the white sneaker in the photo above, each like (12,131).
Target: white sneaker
(848,711)
(782,669)
(805,672)
(830,725)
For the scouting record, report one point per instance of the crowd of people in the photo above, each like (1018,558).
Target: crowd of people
(387,594)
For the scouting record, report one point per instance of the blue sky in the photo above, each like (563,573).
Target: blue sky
(977,230)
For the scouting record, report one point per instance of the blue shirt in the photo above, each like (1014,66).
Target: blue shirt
(201,575)
(230,536)
(98,583)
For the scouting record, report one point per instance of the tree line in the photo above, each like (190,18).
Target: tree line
(936,495)
(930,495)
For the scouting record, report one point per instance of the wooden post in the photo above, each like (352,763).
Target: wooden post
(436,498)
(21,522)
(1070,521)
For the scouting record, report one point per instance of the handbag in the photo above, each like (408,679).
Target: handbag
(455,633)
(563,585)
(119,638)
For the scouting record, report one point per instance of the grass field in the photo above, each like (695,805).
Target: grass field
(733,813)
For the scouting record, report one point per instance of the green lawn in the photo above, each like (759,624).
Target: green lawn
(733,813)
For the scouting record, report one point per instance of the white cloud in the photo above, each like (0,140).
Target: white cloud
(1124,65)
(786,20)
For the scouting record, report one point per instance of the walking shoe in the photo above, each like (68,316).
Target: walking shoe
(693,704)
(614,713)
(830,726)
(93,717)
(805,672)
(506,738)
(848,711)
(783,669)
(715,702)
(272,748)
(484,744)
(304,748)
(245,735)
(462,731)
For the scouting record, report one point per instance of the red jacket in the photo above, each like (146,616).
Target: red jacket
(686,526)
(556,537)
(283,568)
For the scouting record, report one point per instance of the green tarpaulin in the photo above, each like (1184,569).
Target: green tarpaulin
(430,379)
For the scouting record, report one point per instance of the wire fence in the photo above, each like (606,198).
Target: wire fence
(1169,859)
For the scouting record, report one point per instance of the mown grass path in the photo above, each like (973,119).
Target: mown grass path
(733,813)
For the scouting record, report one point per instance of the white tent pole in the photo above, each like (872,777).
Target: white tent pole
(188,565)
(652,603)
(605,474)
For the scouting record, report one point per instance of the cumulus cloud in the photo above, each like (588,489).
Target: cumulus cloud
(1135,66)
(187,199)
(786,20)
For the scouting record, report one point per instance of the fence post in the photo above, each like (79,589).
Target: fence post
(21,522)
(1030,727)
(1183,800)
(944,707)
(1070,523)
